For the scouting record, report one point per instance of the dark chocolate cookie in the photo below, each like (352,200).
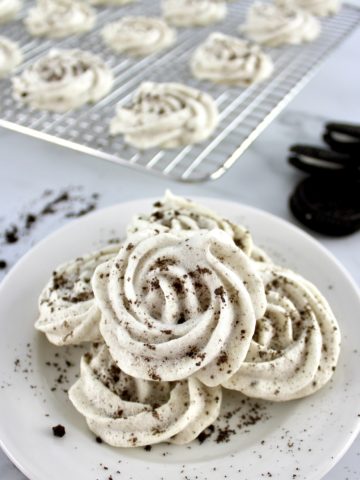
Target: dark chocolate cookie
(343,137)
(319,161)
(329,205)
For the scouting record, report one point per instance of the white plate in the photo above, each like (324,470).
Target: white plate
(302,439)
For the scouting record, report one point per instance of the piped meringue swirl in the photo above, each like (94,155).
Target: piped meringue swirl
(9,10)
(10,56)
(178,214)
(68,313)
(187,13)
(60,18)
(321,8)
(63,80)
(129,412)
(166,115)
(138,36)
(225,59)
(176,304)
(296,344)
(273,25)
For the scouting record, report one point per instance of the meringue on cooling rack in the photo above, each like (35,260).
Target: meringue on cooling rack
(138,36)
(274,25)
(9,10)
(10,56)
(60,18)
(231,60)
(63,80)
(193,13)
(166,115)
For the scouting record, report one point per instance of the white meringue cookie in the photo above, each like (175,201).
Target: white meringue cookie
(68,313)
(296,344)
(128,412)
(259,255)
(176,304)
(9,10)
(63,80)
(10,56)
(60,18)
(273,25)
(188,13)
(225,59)
(178,213)
(321,8)
(166,115)
(138,36)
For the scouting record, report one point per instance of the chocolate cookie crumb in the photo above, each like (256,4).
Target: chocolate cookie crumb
(148,448)
(3,264)
(58,431)
(205,434)
(98,440)
(11,235)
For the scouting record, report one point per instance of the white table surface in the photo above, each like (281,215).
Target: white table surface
(261,178)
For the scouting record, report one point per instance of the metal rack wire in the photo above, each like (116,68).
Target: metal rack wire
(244,112)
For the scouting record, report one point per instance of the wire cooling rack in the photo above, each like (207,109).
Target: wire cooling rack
(244,112)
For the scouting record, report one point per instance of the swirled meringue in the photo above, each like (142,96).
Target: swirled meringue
(296,344)
(63,80)
(128,412)
(68,313)
(138,36)
(259,255)
(166,115)
(225,59)
(10,56)
(176,304)
(321,8)
(178,214)
(9,10)
(60,18)
(188,13)
(273,25)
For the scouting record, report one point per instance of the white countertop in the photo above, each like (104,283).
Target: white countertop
(261,178)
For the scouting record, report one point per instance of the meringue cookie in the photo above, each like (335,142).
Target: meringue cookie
(176,304)
(188,13)
(321,8)
(60,18)
(138,36)
(68,313)
(9,10)
(178,213)
(296,344)
(10,56)
(259,255)
(127,412)
(225,59)
(63,80)
(273,25)
(166,115)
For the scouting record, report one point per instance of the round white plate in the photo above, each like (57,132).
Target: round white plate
(298,440)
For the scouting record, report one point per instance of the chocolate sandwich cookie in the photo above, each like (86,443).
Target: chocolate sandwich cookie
(343,137)
(328,205)
(319,161)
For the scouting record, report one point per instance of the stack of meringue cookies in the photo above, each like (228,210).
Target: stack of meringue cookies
(165,115)
(185,306)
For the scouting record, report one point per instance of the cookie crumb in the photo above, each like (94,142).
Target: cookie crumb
(58,431)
